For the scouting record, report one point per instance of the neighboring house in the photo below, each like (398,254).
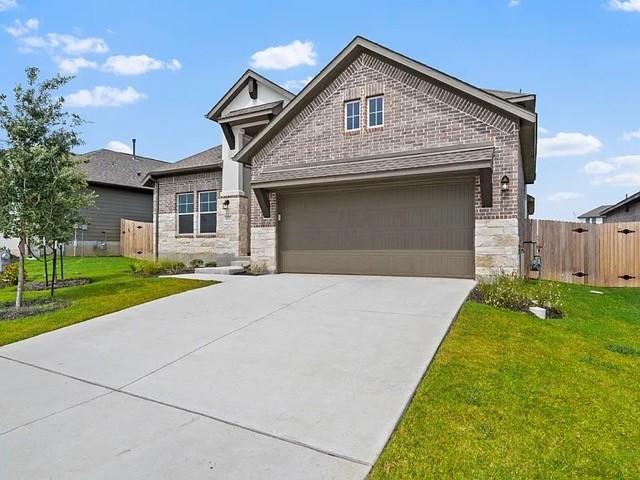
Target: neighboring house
(381,165)
(595,215)
(627,210)
(116,178)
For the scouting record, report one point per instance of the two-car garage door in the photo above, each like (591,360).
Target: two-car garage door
(413,230)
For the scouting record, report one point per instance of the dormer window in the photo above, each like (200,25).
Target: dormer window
(352,115)
(375,110)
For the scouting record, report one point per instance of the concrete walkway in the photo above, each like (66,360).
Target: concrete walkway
(273,377)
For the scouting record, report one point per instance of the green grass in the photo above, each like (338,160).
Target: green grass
(509,396)
(113,288)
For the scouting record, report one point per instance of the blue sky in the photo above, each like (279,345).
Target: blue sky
(151,69)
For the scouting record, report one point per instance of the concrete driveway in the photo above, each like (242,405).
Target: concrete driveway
(273,377)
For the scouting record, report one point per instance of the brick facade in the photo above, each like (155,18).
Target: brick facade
(418,115)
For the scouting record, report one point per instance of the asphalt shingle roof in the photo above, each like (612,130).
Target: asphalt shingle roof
(596,212)
(209,157)
(505,94)
(116,168)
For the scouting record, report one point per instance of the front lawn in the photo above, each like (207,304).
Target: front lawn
(510,396)
(113,288)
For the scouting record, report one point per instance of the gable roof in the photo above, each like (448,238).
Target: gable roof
(630,199)
(359,45)
(208,159)
(507,95)
(106,167)
(595,212)
(216,110)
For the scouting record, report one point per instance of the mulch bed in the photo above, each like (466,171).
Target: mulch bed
(30,307)
(73,282)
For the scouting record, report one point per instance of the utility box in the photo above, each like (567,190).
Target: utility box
(5,259)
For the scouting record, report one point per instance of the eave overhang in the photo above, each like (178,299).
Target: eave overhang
(423,164)
(151,176)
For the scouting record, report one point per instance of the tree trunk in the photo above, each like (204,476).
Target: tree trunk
(20,288)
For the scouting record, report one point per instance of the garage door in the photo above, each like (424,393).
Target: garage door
(417,230)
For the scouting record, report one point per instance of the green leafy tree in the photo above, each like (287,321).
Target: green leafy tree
(42,187)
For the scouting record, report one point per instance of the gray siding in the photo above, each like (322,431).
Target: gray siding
(111,205)
(621,214)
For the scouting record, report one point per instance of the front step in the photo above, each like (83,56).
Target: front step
(241,263)
(230,270)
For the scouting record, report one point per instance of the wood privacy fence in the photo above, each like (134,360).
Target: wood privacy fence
(606,255)
(136,239)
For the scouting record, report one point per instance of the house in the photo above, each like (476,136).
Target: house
(116,179)
(627,210)
(595,215)
(381,165)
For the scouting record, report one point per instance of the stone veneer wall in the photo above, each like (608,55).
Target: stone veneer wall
(418,114)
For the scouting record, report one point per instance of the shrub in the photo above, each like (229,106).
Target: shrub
(10,275)
(506,291)
(147,268)
(518,294)
(211,264)
(547,295)
(196,263)
(258,268)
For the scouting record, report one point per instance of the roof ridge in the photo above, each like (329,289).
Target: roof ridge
(122,153)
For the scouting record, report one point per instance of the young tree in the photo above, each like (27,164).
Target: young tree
(42,187)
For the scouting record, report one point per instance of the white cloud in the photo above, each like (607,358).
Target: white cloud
(296,85)
(542,130)
(628,136)
(104,97)
(567,145)
(69,44)
(29,44)
(117,146)
(137,64)
(619,171)
(285,56)
(564,196)
(625,5)
(19,29)
(513,3)
(7,4)
(73,45)
(72,66)
(597,167)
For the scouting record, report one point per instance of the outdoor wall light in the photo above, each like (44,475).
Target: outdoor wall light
(504,183)
(225,204)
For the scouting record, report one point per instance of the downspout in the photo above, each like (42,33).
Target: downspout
(156,220)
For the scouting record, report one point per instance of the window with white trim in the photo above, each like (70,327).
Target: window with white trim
(185,213)
(352,115)
(375,110)
(208,212)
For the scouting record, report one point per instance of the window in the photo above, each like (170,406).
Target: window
(352,115)
(376,111)
(208,212)
(185,213)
